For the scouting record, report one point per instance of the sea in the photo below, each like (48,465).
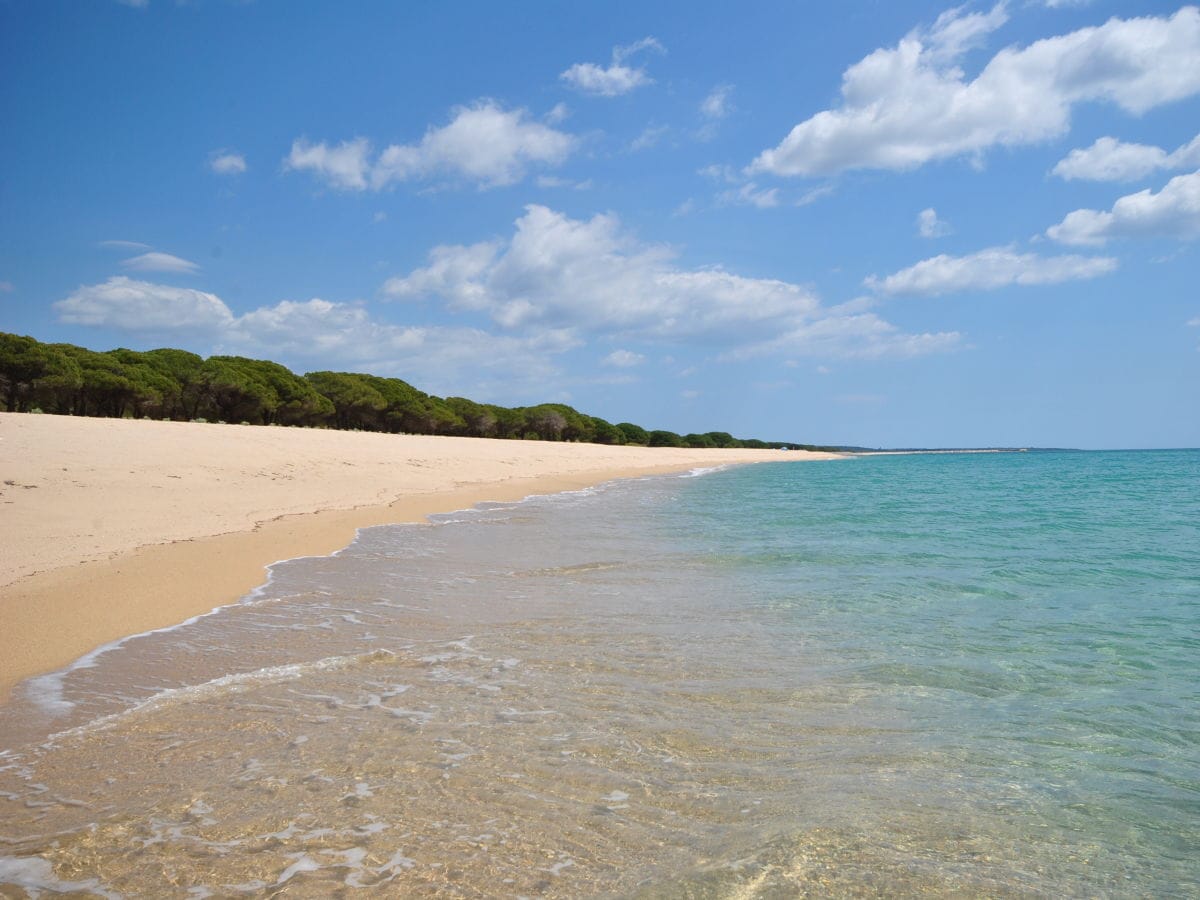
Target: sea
(962,675)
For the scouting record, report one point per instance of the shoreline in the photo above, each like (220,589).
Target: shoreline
(83,501)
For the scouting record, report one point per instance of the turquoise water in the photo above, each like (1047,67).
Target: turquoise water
(1035,616)
(949,675)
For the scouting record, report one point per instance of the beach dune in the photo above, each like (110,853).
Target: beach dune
(113,527)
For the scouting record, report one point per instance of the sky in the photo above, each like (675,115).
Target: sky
(863,223)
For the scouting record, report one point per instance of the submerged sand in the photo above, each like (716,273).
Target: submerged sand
(113,527)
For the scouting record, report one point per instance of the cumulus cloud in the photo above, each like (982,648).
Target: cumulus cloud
(1109,159)
(160,262)
(616,78)
(562,272)
(1172,212)
(623,359)
(989,269)
(930,226)
(905,106)
(590,277)
(143,307)
(224,162)
(346,165)
(484,144)
(321,333)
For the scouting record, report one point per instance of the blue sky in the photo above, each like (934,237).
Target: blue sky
(868,223)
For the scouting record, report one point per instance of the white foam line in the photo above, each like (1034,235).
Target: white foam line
(46,691)
(266,675)
(700,471)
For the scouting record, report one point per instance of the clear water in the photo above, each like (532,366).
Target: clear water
(961,675)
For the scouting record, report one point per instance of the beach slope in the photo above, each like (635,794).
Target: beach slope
(113,527)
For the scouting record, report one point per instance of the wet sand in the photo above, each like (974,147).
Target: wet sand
(115,527)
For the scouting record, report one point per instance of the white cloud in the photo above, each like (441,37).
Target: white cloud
(226,163)
(484,144)
(616,78)
(589,277)
(1109,159)
(1172,212)
(560,113)
(562,272)
(717,105)
(606,82)
(814,194)
(750,194)
(905,106)
(160,262)
(954,33)
(861,336)
(140,306)
(455,272)
(930,226)
(623,359)
(344,166)
(1194,323)
(989,269)
(322,334)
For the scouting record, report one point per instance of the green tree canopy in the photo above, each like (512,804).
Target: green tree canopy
(356,404)
(176,384)
(634,434)
(665,439)
(28,366)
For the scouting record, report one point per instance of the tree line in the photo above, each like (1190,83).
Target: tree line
(177,385)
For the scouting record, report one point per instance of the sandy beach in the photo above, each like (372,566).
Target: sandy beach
(115,527)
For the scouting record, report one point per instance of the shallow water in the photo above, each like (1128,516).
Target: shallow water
(949,675)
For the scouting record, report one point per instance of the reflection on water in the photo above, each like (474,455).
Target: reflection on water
(580,695)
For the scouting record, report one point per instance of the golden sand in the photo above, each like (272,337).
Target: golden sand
(113,527)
